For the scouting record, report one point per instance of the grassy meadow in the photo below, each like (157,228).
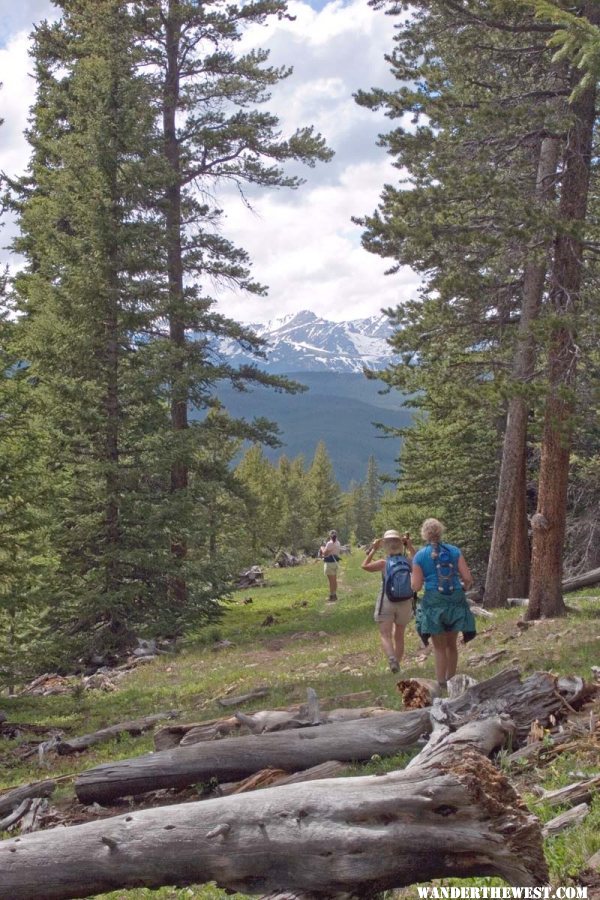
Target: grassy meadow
(288,638)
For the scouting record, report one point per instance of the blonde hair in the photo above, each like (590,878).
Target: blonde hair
(432,531)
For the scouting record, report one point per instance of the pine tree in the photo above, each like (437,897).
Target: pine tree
(323,491)
(566,281)
(490,104)
(212,131)
(263,508)
(26,560)
(373,491)
(83,226)
(298,510)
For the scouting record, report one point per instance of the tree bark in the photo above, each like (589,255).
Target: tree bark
(508,566)
(176,301)
(353,837)
(545,594)
(236,758)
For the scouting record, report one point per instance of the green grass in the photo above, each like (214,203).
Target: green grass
(333,648)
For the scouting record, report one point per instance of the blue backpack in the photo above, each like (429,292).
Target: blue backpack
(396,579)
(445,569)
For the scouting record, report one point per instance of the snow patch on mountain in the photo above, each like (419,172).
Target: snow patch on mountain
(304,342)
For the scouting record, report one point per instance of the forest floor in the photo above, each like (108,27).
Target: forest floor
(289,638)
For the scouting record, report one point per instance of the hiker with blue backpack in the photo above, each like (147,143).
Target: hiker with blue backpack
(393,608)
(443,612)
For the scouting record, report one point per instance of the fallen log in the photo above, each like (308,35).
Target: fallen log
(15,815)
(234,759)
(14,798)
(566,819)
(586,579)
(536,698)
(134,727)
(31,819)
(264,721)
(243,698)
(573,794)
(350,837)
(268,777)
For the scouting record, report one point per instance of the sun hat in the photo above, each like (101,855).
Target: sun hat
(392,535)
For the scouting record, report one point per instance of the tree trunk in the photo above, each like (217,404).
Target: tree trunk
(545,595)
(236,758)
(176,301)
(353,837)
(508,564)
(518,559)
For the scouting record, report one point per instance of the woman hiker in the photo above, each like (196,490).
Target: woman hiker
(330,551)
(443,611)
(392,610)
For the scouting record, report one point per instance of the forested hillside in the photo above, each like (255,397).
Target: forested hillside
(341,410)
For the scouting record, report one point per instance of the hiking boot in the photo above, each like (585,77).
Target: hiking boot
(394,664)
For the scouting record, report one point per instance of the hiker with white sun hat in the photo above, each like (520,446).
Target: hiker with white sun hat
(393,608)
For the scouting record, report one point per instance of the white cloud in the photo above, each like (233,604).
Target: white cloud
(302,243)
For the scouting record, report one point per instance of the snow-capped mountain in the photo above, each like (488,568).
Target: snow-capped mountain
(303,342)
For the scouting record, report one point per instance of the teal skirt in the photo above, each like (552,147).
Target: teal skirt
(440,613)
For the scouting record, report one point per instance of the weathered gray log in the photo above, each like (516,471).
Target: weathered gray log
(483,735)
(12,799)
(458,684)
(573,794)
(13,817)
(261,722)
(349,837)
(586,579)
(243,698)
(134,727)
(538,697)
(532,750)
(233,759)
(276,777)
(566,819)
(31,819)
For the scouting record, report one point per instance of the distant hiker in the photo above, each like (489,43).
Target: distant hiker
(443,610)
(331,551)
(393,609)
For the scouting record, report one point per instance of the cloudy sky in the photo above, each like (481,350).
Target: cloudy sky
(302,243)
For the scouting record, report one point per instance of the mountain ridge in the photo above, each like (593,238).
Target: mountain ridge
(306,342)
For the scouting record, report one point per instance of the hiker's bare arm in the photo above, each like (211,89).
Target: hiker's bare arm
(464,572)
(409,548)
(416,580)
(368,565)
